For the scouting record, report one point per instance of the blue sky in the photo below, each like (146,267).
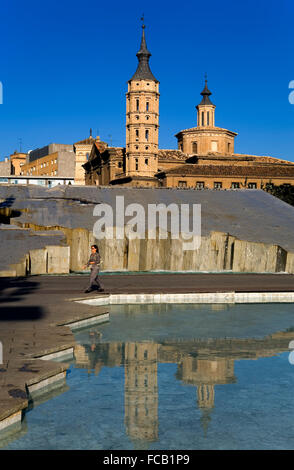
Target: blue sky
(64,66)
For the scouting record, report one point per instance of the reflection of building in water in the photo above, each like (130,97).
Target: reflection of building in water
(220,307)
(203,363)
(94,356)
(81,357)
(86,358)
(141,392)
(205,374)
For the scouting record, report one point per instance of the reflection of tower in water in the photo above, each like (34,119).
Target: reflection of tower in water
(205,374)
(141,391)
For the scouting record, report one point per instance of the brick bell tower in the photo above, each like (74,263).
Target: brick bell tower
(205,109)
(142,117)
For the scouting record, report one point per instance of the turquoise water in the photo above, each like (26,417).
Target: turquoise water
(173,376)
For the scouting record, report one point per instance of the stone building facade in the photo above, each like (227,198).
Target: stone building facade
(5,167)
(105,164)
(51,160)
(17,159)
(82,151)
(13,165)
(205,157)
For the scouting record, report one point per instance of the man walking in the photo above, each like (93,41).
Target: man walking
(94,263)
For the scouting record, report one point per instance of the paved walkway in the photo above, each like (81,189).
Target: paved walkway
(189,283)
(33,310)
(37,288)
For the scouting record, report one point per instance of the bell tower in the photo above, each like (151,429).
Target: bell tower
(205,109)
(142,117)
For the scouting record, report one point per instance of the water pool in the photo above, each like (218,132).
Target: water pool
(171,376)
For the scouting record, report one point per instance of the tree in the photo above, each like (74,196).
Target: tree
(285,192)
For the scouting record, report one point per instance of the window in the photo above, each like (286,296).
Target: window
(146,161)
(147,118)
(200,185)
(137,105)
(137,135)
(208,118)
(119,164)
(136,147)
(229,146)
(147,135)
(235,185)
(194,147)
(137,163)
(252,185)
(147,105)
(137,117)
(218,185)
(146,148)
(214,145)
(182,184)
(202,118)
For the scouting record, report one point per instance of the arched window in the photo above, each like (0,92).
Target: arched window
(137,104)
(194,147)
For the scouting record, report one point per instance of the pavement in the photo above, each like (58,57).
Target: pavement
(34,311)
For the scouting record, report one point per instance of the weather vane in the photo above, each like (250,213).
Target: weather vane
(142,19)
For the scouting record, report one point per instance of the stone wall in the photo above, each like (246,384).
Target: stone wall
(218,252)
(248,231)
(47,260)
